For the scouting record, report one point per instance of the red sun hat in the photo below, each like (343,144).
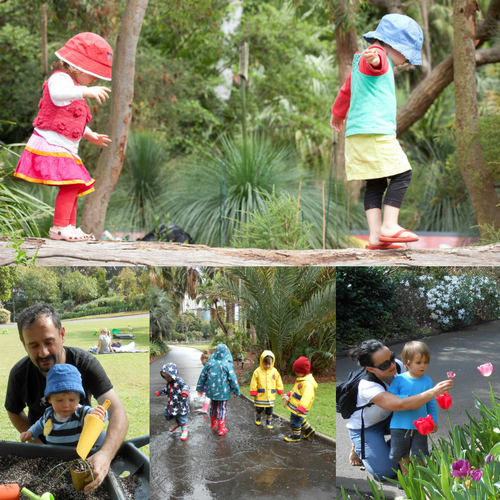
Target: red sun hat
(89,53)
(302,365)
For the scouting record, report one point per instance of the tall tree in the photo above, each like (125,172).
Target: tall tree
(476,176)
(111,160)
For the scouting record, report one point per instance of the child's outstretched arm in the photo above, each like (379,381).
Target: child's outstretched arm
(95,138)
(97,93)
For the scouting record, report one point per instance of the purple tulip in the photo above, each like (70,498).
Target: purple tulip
(476,475)
(460,468)
(489,458)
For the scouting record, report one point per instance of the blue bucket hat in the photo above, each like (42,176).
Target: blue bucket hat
(402,33)
(63,378)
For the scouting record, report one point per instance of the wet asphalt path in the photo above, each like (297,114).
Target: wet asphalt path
(460,351)
(249,462)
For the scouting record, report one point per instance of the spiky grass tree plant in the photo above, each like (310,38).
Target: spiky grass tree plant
(19,210)
(194,200)
(142,190)
(290,307)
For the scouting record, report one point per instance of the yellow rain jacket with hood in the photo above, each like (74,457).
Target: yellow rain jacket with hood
(302,395)
(265,383)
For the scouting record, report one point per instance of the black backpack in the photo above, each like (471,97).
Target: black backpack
(347,397)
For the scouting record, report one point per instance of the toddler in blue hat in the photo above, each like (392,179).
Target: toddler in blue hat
(372,151)
(62,422)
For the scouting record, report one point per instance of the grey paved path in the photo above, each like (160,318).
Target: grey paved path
(249,462)
(460,351)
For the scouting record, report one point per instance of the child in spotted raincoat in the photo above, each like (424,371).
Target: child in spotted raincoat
(220,380)
(177,390)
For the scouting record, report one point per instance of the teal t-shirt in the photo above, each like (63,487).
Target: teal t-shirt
(373,106)
(403,386)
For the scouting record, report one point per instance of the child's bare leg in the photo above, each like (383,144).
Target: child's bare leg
(403,464)
(390,224)
(374,218)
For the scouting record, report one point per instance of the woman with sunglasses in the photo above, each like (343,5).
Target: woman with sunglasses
(380,363)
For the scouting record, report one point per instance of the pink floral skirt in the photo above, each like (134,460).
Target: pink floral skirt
(44,163)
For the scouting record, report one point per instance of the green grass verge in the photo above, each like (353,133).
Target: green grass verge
(129,373)
(321,416)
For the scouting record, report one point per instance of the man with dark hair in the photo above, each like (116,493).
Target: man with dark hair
(43,336)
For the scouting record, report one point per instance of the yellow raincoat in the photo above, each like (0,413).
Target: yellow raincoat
(265,383)
(302,395)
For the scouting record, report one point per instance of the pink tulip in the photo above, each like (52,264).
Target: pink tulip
(451,375)
(486,369)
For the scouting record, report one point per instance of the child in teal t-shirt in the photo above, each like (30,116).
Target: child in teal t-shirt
(404,435)
(372,151)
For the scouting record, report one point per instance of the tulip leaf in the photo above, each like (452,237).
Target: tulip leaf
(494,450)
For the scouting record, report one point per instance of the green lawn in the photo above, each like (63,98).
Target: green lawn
(129,373)
(321,416)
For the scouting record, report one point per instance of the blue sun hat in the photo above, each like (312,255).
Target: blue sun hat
(402,33)
(63,378)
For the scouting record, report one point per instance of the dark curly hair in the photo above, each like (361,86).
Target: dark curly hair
(362,353)
(30,314)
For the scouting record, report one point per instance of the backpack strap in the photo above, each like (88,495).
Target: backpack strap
(371,378)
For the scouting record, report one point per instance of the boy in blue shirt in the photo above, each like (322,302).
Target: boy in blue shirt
(404,435)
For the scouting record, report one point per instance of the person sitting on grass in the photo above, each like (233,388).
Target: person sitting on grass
(62,422)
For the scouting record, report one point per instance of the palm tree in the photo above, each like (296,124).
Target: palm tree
(196,201)
(162,314)
(291,308)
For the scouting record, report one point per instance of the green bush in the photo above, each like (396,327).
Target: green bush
(4,316)
(278,226)
(238,342)
(157,347)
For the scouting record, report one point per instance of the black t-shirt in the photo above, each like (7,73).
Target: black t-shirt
(27,385)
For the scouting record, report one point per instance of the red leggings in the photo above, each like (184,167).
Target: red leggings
(65,207)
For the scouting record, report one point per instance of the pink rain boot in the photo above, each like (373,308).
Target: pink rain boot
(214,423)
(204,409)
(222,427)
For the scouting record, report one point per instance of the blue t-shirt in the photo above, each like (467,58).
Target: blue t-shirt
(403,386)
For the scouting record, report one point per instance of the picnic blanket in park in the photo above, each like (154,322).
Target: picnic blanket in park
(126,348)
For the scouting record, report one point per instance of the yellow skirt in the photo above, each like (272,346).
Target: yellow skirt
(372,156)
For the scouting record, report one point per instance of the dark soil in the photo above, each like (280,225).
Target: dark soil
(29,473)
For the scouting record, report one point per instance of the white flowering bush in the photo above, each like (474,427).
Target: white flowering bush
(455,301)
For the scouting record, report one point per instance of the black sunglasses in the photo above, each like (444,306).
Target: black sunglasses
(386,364)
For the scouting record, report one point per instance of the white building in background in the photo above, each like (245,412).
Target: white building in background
(228,27)
(190,305)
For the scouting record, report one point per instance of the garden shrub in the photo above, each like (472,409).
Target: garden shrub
(157,347)
(238,342)
(4,316)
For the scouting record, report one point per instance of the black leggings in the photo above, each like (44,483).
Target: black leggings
(375,188)
(260,409)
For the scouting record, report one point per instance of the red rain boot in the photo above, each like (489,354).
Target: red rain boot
(214,423)
(222,427)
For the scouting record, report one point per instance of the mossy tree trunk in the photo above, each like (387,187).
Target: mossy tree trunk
(476,176)
(111,160)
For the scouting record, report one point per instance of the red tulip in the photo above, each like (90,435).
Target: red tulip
(451,375)
(444,401)
(424,425)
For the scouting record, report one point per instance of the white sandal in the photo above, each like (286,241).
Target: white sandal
(68,233)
